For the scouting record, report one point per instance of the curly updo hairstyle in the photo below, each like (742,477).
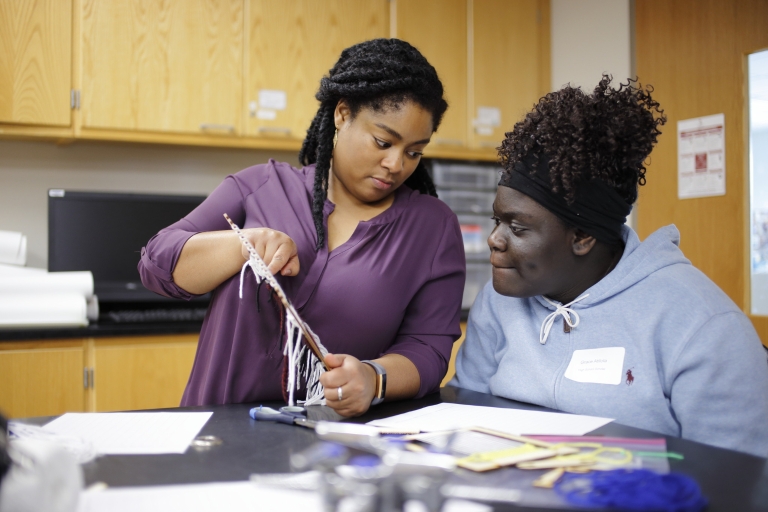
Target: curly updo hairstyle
(378,74)
(607,135)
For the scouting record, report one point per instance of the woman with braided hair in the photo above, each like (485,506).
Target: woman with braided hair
(580,315)
(373,262)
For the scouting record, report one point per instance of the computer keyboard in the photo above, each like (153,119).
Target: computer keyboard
(137,316)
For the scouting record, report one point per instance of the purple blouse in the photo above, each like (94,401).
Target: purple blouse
(394,287)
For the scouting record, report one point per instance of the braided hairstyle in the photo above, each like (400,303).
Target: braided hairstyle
(607,135)
(377,74)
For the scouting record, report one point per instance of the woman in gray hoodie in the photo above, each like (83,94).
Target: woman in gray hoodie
(580,315)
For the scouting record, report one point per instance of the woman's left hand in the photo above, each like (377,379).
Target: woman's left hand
(356,380)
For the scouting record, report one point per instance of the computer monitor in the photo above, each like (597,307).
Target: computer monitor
(104,232)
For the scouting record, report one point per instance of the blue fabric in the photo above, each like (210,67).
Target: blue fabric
(699,369)
(632,489)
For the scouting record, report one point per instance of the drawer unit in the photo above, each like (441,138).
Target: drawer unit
(464,176)
(477,275)
(469,191)
(475,230)
(468,201)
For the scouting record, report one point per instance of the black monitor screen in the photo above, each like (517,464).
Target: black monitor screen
(104,233)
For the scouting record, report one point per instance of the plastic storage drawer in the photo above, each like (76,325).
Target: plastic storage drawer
(477,275)
(468,201)
(475,230)
(463,176)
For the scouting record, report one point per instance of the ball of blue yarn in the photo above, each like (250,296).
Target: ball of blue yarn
(632,489)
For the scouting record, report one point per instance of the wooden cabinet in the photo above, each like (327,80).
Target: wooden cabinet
(45,378)
(141,372)
(244,73)
(290,46)
(493,57)
(511,65)
(48,378)
(42,378)
(171,66)
(35,62)
(454,351)
(439,30)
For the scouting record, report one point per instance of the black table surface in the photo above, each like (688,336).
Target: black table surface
(100,330)
(730,480)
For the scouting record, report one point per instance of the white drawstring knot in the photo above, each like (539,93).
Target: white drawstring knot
(563,310)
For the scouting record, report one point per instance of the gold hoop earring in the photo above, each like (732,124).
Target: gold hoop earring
(335,138)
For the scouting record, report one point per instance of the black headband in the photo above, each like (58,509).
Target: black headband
(597,209)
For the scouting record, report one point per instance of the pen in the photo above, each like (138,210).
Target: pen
(287,415)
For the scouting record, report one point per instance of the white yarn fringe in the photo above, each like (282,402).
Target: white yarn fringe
(303,366)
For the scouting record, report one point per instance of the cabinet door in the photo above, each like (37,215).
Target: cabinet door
(147,372)
(41,378)
(35,62)
(510,40)
(291,46)
(438,28)
(173,66)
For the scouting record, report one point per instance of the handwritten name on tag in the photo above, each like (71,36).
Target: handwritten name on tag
(596,365)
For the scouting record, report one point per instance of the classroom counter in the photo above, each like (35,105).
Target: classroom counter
(729,480)
(100,330)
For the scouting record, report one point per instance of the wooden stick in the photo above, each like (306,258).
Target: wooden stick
(549,479)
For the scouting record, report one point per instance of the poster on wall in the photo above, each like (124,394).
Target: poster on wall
(701,157)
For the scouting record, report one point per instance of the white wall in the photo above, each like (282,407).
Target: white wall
(29,169)
(589,38)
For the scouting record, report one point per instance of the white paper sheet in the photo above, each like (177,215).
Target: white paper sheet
(229,496)
(124,433)
(513,421)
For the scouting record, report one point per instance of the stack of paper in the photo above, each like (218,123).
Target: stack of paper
(32,297)
(512,421)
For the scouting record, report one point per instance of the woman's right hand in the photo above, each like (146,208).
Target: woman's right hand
(277,249)
(211,257)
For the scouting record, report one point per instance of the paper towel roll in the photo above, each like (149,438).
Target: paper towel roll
(43,310)
(15,270)
(13,248)
(48,282)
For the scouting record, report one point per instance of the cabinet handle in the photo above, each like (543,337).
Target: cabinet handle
(87,378)
(74,99)
(218,127)
(274,129)
(449,142)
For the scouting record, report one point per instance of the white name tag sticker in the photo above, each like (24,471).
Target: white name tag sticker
(596,365)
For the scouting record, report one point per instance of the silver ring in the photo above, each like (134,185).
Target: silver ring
(203,442)
(338,391)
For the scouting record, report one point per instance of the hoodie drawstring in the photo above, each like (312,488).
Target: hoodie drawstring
(563,310)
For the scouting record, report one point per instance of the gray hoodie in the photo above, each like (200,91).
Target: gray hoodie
(657,346)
